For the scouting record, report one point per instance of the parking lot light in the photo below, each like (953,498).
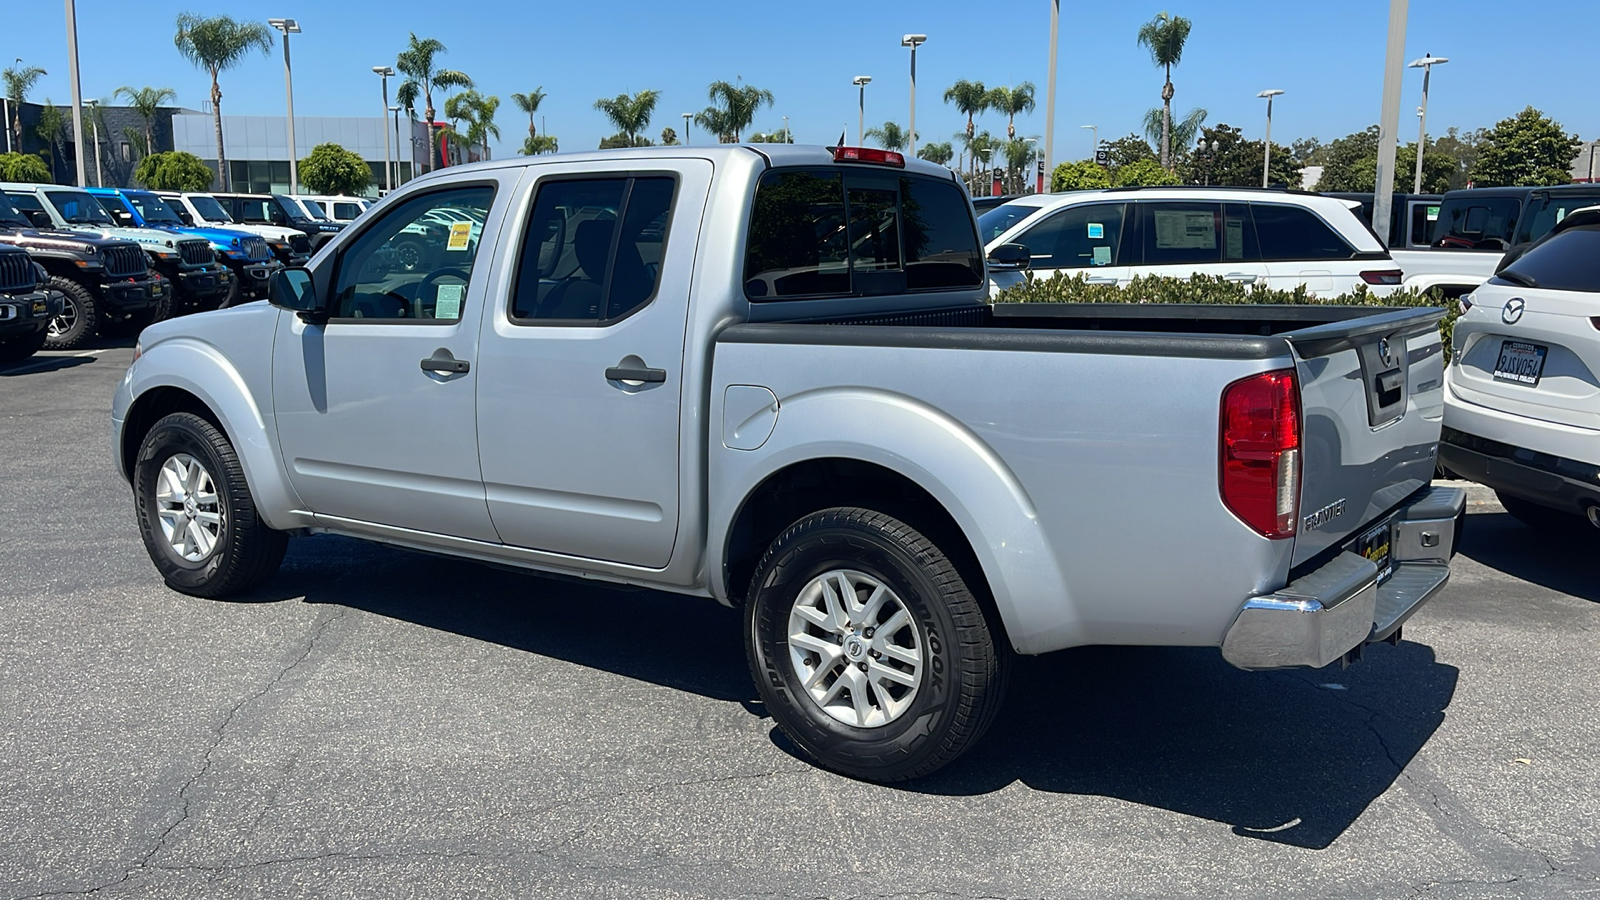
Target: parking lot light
(388,174)
(1426,64)
(1266,158)
(913,41)
(288,27)
(861,81)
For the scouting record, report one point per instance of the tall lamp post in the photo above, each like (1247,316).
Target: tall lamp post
(288,27)
(384,72)
(94,141)
(77,94)
(786,139)
(686,118)
(1426,64)
(1266,157)
(1094,133)
(861,81)
(395,111)
(1050,92)
(913,41)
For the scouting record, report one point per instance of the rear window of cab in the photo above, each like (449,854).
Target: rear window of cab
(848,232)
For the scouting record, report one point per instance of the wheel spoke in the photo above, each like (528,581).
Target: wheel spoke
(822,671)
(208,518)
(831,598)
(824,648)
(833,691)
(815,616)
(859,696)
(847,592)
(899,620)
(874,604)
(906,655)
(881,672)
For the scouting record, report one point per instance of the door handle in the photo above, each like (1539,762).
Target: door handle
(1242,277)
(445,364)
(636,373)
(1099,280)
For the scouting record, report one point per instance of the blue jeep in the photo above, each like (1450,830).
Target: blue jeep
(247,256)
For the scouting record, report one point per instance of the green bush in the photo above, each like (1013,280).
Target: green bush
(23,167)
(1213,289)
(331,169)
(174,170)
(1078,176)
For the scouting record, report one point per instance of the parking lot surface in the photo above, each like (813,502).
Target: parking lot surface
(379,723)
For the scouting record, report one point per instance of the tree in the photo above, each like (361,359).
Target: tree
(1020,154)
(630,114)
(1078,176)
(781,136)
(1236,162)
(1143,172)
(51,128)
(1528,149)
(1462,147)
(148,102)
(623,139)
(331,169)
(1309,151)
(969,98)
(535,144)
(417,62)
(1012,101)
(19,80)
(715,122)
(22,167)
(669,136)
(216,44)
(890,137)
(1165,36)
(1180,134)
(939,154)
(480,120)
(529,103)
(733,107)
(174,171)
(1351,164)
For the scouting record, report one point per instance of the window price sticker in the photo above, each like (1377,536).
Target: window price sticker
(460,235)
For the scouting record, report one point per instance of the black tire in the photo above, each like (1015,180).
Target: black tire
(230,297)
(1542,518)
(78,321)
(18,347)
(962,676)
(246,552)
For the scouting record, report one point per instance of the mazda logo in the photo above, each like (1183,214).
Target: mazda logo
(1512,311)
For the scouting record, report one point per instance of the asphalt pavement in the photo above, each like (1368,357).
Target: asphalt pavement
(380,723)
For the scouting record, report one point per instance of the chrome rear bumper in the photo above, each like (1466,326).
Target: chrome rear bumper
(1322,616)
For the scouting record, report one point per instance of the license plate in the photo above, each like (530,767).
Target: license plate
(1520,363)
(1375,545)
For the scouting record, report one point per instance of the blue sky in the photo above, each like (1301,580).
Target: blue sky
(1328,57)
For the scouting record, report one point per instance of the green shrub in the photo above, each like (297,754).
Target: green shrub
(23,167)
(1213,289)
(1078,176)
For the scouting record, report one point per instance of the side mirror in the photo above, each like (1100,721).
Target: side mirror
(1011,256)
(40,218)
(292,288)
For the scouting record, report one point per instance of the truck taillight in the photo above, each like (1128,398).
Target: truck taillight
(1260,464)
(1383,276)
(869,155)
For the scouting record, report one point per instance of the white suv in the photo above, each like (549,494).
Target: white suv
(339,209)
(1522,395)
(1268,237)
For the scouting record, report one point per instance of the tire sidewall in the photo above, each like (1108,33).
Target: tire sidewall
(168,438)
(83,325)
(854,750)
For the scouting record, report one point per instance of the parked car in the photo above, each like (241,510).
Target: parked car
(984,204)
(26,304)
(1522,411)
(338,208)
(244,260)
(704,370)
(281,210)
(1411,216)
(188,263)
(289,246)
(1500,218)
(103,281)
(1277,238)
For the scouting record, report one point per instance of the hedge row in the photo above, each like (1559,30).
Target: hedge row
(1064,288)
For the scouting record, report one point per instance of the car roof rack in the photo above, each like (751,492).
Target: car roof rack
(1275,189)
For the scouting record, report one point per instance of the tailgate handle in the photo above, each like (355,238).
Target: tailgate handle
(1388,387)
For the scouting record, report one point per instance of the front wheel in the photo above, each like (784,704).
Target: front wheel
(195,512)
(76,322)
(868,648)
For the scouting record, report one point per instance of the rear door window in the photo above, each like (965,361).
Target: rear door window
(1180,233)
(1544,211)
(1476,223)
(1078,237)
(1295,233)
(1563,263)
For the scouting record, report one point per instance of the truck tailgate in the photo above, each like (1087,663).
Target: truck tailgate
(1372,401)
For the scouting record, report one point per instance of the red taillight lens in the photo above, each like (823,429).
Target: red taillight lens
(1383,276)
(869,155)
(1261,451)
(1595,322)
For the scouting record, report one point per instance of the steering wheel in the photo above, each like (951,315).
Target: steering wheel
(425,283)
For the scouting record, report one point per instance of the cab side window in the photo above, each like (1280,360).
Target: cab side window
(415,263)
(592,250)
(1181,233)
(1292,233)
(1076,238)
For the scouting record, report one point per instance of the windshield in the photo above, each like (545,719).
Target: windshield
(313,209)
(9,214)
(289,205)
(999,220)
(153,209)
(78,208)
(209,209)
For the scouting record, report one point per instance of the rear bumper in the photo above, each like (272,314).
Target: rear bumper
(1543,478)
(1322,616)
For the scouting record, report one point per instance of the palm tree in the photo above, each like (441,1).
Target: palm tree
(416,62)
(631,115)
(1182,132)
(19,80)
(216,44)
(148,101)
(1020,154)
(939,154)
(739,105)
(973,146)
(51,127)
(1012,101)
(970,98)
(483,127)
(537,144)
(890,137)
(529,103)
(716,121)
(461,106)
(1165,35)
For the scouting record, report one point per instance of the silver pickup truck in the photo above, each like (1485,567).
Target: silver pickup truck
(770,376)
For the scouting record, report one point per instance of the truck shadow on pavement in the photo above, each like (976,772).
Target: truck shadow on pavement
(1559,561)
(1288,757)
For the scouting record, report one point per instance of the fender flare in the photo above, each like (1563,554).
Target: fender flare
(943,457)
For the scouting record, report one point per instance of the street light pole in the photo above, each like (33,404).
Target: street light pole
(384,72)
(77,94)
(1266,157)
(1050,92)
(1094,133)
(288,27)
(1426,64)
(395,112)
(686,117)
(913,41)
(1389,121)
(861,81)
(94,130)
(786,130)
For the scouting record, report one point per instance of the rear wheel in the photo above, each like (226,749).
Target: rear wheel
(1542,518)
(76,322)
(868,648)
(195,512)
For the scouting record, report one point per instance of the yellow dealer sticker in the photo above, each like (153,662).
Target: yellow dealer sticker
(460,234)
